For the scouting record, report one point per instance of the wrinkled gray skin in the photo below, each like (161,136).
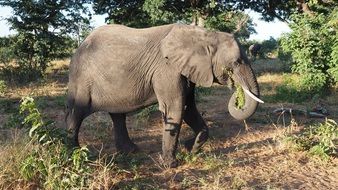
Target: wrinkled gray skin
(119,70)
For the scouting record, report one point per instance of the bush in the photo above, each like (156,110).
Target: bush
(48,162)
(312,44)
(283,55)
(320,139)
(6,50)
(25,58)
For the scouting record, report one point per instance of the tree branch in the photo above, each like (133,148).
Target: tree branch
(304,7)
(241,23)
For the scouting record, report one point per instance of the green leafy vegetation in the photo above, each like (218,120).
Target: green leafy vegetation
(48,161)
(319,139)
(312,45)
(43,34)
(215,15)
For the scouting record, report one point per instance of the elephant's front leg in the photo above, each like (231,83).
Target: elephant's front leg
(172,120)
(171,99)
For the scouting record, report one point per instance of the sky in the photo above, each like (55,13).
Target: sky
(264,29)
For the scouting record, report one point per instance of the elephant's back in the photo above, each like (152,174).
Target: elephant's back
(108,64)
(116,44)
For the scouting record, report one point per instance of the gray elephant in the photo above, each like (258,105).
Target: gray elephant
(118,69)
(254,50)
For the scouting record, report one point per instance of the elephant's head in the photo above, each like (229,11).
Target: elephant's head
(204,57)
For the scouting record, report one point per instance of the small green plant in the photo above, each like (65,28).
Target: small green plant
(187,157)
(51,163)
(44,132)
(320,139)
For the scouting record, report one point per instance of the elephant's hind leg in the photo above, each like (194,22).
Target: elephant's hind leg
(194,119)
(122,140)
(74,120)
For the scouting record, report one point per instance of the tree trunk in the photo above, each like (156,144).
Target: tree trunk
(198,20)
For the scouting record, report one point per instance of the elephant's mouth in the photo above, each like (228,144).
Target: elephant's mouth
(225,77)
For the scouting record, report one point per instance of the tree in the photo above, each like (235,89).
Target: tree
(144,13)
(129,13)
(313,46)
(42,30)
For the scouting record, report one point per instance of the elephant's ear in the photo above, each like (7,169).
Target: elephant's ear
(189,50)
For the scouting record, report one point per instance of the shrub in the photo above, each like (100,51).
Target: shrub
(312,44)
(145,113)
(25,58)
(320,139)
(48,162)
(6,53)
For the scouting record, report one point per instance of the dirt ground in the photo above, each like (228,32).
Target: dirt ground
(254,155)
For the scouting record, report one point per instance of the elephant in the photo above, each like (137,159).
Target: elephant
(254,50)
(118,69)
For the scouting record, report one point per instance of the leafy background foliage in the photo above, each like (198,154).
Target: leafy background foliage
(311,44)
(43,29)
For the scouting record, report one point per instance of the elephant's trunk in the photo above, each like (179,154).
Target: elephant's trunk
(245,77)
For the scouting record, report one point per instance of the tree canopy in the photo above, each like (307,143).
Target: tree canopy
(43,28)
(144,13)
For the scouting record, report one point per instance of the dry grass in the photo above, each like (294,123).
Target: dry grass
(232,159)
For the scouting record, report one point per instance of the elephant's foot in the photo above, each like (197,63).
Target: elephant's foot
(127,148)
(194,145)
(73,142)
(170,162)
